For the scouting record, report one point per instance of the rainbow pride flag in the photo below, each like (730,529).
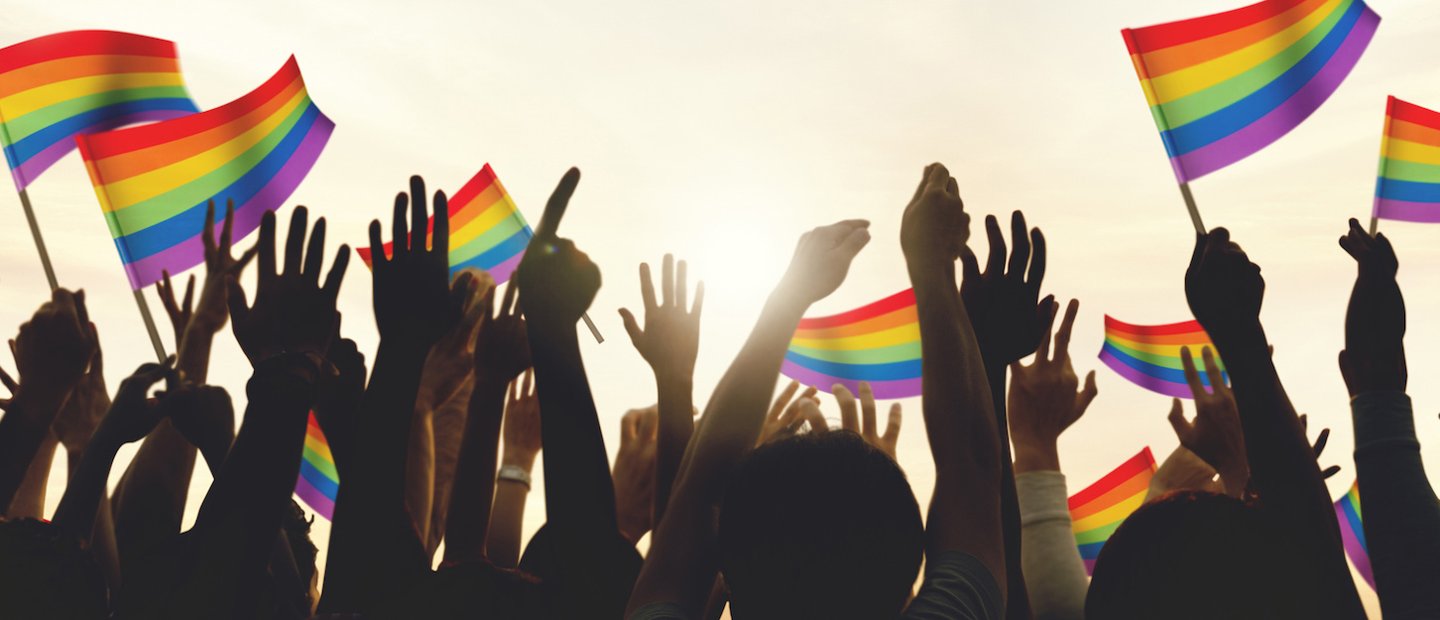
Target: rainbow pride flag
(878,343)
(1408,186)
(318,482)
(487,230)
(1224,86)
(1149,356)
(1097,511)
(1352,532)
(55,87)
(154,181)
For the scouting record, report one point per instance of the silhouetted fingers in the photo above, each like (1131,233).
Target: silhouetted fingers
(779,404)
(399,230)
(867,409)
(647,288)
(1320,441)
(265,245)
(1020,236)
(849,414)
(667,281)
(418,217)
(1212,371)
(207,230)
(295,240)
(632,327)
(1177,420)
(227,228)
(680,293)
(188,305)
(511,300)
(337,272)
(1047,323)
(699,299)
(1192,376)
(555,207)
(1329,471)
(440,237)
(995,266)
(1067,325)
(315,252)
(377,245)
(1037,259)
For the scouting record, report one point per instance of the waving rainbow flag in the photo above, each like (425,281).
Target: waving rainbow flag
(1224,86)
(487,230)
(154,181)
(1097,511)
(1408,186)
(878,343)
(1352,532)
(319,481)
(1149,356)
(58,86)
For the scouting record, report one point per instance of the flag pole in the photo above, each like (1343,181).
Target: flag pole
(150,324)
(591,324)
(1374,225)
(39,241)
(1194,210)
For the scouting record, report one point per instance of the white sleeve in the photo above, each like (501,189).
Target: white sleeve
(1054,574)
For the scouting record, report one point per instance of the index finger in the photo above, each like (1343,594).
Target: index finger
(559,201)
(1192,376)
(1062,337)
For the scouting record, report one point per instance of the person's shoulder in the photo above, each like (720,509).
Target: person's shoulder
(957,586)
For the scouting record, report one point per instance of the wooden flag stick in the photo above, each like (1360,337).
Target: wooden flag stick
(1194,210)
(39,241)
(591,324)
(150,324)
(1374,225)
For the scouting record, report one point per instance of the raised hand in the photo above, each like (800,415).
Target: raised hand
(521,433)
(1004,304)
(1374,355)
(1318,447)
(86,407)
(204,415)
(451,360)
(634,471)
(210,310)
(502,351)
(670,339)
(822,260)
(133,414)
(1043,398)
(413,305)
(557,281)
(293,311)
(54,348)
(1182,470)
(862,422)
(784,419)
(181,312)
(1215,434)
(1223,287)
(337,397)
(935,227)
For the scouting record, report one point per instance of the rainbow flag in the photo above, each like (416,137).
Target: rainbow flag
(318,482)
(487,230)
(878,343)
(1352,532)
(154,181)
(1149,356)
(1097,511)
(1224,86)
(1408,186)
(58,86)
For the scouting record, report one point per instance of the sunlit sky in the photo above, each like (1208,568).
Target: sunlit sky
(721,131)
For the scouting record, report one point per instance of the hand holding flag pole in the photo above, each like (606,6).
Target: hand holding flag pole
(550,224)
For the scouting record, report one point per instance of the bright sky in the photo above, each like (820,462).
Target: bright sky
(721,132)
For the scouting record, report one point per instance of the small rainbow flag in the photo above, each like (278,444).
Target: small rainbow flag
(1149,356)
(1352,532)
(318,482)
(55,87)
(1224,86)
(154,181)
(1097,511)
(1408,186)
(487,230)
(878,343)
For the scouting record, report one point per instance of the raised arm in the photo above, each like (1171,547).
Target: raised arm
(1402,515)
(959,413)
(522,444)
(681,565)
(1225,291)
(1215,435)
(634,472)
(374,549)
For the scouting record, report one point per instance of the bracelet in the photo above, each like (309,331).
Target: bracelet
(514,473)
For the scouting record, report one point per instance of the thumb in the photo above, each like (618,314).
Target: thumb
(854,242)
(1178,422)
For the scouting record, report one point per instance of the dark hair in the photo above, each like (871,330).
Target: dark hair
(1190,554)
(47,574)
(821,525)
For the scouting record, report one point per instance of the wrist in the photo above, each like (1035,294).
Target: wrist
(39,403)
(1036,456)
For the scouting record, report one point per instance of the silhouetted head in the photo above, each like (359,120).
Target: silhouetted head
(820,525)
(1190,554)
(46,574)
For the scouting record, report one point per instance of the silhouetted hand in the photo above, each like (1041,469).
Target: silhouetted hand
(1004,305)
(293,311)
(1215,434)
(452,359)
(1374,355)
(863,422)
(522,424)
(557,281)
(935,227)
(203,414)
(822,259)
(1318,447)
(86,407)
(180,313)
(670,339)
(1223,287)
(210,311)
(634,471)
(337,398)
(1182,470)
(1043,401)
(54,348)
(783,419)
(502,351)
(133,415)
(413,304)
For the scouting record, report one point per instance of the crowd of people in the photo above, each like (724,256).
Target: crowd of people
(756,504)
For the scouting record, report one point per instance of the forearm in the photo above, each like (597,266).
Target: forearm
(1054,573)
(30,498)
(449,433)
(579,494)
(86,488)
(1018,605)
(420,470)
(192,358)
(1402,515)
(22,431)
(150,499)
(677,422)
(474,488)
(503,544)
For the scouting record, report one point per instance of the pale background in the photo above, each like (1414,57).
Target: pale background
(721,131)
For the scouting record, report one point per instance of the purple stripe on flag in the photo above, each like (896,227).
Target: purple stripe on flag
(1407,211)
(903,388)
(1286,116)
(317,501)
(1357,553)
(191,251)
(1089,567)
(502,272)
(32,168)
(1154,384)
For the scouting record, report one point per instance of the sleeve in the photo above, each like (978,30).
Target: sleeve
(957,587)
(659,611)
(1401,515)
(1054,572)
